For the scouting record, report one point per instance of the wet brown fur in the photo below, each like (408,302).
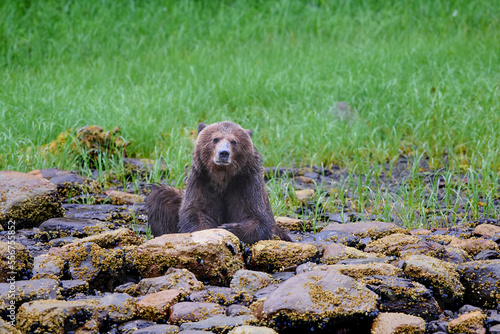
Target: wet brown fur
(231,196)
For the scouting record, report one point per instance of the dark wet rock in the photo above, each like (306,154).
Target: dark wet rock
(323,238)
(71,288)
(392,323)
(75,227)
(118,214)
(68,183)
(173,279)
(117,307)
(134,325)
(434,249)
(219,323)
(374,230)
(488,254)
(235,310)
(27,200)
(26,291)
(282,276)
(468,308)
(265,292)
(215,294)
(277,255)
(495,329)
(60,242)
(318,299)
(212,255)
(158,329)
(193,311)
(437,326)
(441,276)
(249,281)
(481,280)
(403,295)
(16,261)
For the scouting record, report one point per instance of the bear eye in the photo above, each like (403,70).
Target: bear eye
(233,142)
(216,140)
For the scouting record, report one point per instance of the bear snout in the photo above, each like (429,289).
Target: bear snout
(223,156)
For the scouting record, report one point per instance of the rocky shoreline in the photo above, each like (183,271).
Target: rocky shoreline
(83,264)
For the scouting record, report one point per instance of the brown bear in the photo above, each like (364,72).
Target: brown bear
(225,189)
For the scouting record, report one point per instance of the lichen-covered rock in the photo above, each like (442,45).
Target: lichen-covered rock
(47,266)
(212,255)
(277,255)
(29,290)
(159,329)
(117,307)
(398,323)
(391,244)
(334,253)
(72,287)
(374,230)
(252,329)
(16,261)
(100,267)
(402,295)
(430,248)
(54,316)
(486,230)
(7,328)
(482,282)
(111,239)
(156,306)
(69,184)
(219,323)
(324,238)
(66,226)
(249,281)
(181,279)
(474,246)
(220,295)
(121,197)
(469,323)
(359,271)
(89,143)
(318,299)
(27,200)
(436,274)
(193,311)
(293,224)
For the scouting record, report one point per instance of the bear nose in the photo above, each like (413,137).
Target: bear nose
(224,154)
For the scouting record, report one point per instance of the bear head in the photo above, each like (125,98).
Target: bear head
(223,148)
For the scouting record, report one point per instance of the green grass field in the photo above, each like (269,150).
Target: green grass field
(424,77)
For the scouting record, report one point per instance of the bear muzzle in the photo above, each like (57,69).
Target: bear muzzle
(223,156)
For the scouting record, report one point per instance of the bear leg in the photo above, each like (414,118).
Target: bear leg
(163,204)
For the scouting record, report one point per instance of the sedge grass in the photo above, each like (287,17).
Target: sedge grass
(423,77)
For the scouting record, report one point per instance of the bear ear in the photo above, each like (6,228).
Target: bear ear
(201,126)
(250,132)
